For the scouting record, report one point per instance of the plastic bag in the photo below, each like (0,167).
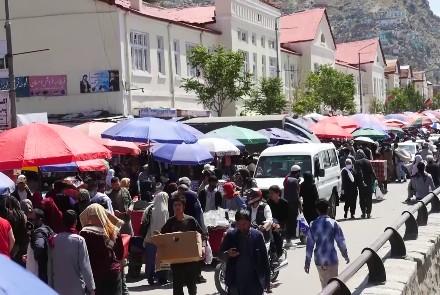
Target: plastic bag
(378,192)
(208,253)
(302,225)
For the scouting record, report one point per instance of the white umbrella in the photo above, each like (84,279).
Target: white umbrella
(364,139)
(219,146)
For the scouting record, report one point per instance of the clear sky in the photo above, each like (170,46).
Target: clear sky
(435,6)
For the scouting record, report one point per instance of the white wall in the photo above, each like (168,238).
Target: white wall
(290,71)
(355,74)
(82,37)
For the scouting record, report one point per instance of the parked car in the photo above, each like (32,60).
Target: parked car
(320,159)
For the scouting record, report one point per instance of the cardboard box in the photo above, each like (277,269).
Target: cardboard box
(179,247)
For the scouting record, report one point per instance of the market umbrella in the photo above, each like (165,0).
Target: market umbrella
(364,139)
(95,129)
(395,130)
(219,146)
(7,186)
(149,129)
(436,126)
(191,130)
(16,280)
(342,121)
(314,116)
(421,120)
(370,133)
(369,121)
(181,154)
(400,117)
(80,166)
(244,135)
(235,142)
(277,134)
(395,123)
(328,131)
(41,144)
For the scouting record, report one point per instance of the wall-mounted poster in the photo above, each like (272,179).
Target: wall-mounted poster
(103,81)
(4,110)
(21,86)
(54,85)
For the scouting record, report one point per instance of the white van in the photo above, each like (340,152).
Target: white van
(320,159)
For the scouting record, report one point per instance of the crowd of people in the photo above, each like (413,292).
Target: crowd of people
(74,238)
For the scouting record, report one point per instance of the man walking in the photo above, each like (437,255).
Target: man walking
(323,234)
(291,194)
(121,201)
(70,271)
(368,177)
(247,269)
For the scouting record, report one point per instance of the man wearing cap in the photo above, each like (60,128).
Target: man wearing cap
(22,191)
(291,194)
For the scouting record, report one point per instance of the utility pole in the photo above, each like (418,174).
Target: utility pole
(10,64)
(360,83)
(277,46)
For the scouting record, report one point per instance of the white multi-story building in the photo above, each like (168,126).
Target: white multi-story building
(421,84)
(392,74)
(368,55)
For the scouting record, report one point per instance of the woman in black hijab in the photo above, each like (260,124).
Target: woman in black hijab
(309,194)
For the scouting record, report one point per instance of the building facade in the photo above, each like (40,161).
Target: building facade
(392,74)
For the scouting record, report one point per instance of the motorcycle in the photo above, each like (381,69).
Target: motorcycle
(275,264)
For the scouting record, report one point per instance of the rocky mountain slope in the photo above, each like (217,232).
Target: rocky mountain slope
(408,29)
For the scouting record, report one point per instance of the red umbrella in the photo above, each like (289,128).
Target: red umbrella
(344,122)
(325,130)
(41,144)
(94,129)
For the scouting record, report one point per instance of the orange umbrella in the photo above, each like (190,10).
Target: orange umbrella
(325,130)
(95,129)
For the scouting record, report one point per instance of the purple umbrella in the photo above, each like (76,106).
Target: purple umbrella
(370,122)
(182,154)
(276,134)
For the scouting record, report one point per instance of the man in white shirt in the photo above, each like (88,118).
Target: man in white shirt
(261,215)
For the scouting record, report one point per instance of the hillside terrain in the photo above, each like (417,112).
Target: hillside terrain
(408,29)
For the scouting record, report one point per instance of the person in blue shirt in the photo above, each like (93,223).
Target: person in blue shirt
(324,232)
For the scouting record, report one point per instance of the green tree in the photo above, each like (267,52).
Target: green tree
(405,99)
(268,98)
(328,88)
(436,102)
(305,103)
(376,106)
(223,79)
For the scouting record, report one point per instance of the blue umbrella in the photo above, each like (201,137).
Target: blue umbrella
(7,186)
(435,126)
(191,130)
(17,281)
(182,154)
(149,129)
(276,134)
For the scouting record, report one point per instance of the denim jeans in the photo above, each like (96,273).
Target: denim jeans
(400,174)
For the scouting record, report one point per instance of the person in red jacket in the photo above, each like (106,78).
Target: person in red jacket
(7,239)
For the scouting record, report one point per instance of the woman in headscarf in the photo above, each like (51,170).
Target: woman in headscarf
(309,194)
(104,244)
(10,210)
(154,218)
(349,188)
(125,182)
(417,160)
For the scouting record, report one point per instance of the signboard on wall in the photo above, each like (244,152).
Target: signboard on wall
(21,86)
(158,113)
(53,85)
(102,81)
(5,113)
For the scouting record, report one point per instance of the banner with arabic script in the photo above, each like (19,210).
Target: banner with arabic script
(54,85)
(4,110)
(21,86)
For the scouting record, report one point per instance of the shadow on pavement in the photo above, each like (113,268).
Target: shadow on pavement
(150,288)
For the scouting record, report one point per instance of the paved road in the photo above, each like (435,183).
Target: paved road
(359,233)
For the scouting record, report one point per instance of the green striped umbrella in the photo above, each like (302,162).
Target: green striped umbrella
(244,135)
(370,133)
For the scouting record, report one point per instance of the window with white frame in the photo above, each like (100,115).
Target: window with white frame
(316,66)
(259,17)
(242,35)
(160,55)
(254,39)
(255,65)
(191,71)
(3,63)
(246,61)
(292,75)
(263,41)
(140,51)
(272,66)
(176,53)
(271,44)
(263,66)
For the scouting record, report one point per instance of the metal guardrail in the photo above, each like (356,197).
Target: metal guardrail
(369,256)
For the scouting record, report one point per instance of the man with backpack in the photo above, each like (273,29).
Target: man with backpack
(41,234)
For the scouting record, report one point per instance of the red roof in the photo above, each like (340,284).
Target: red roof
(349,52)
(344,64)
(301,26)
